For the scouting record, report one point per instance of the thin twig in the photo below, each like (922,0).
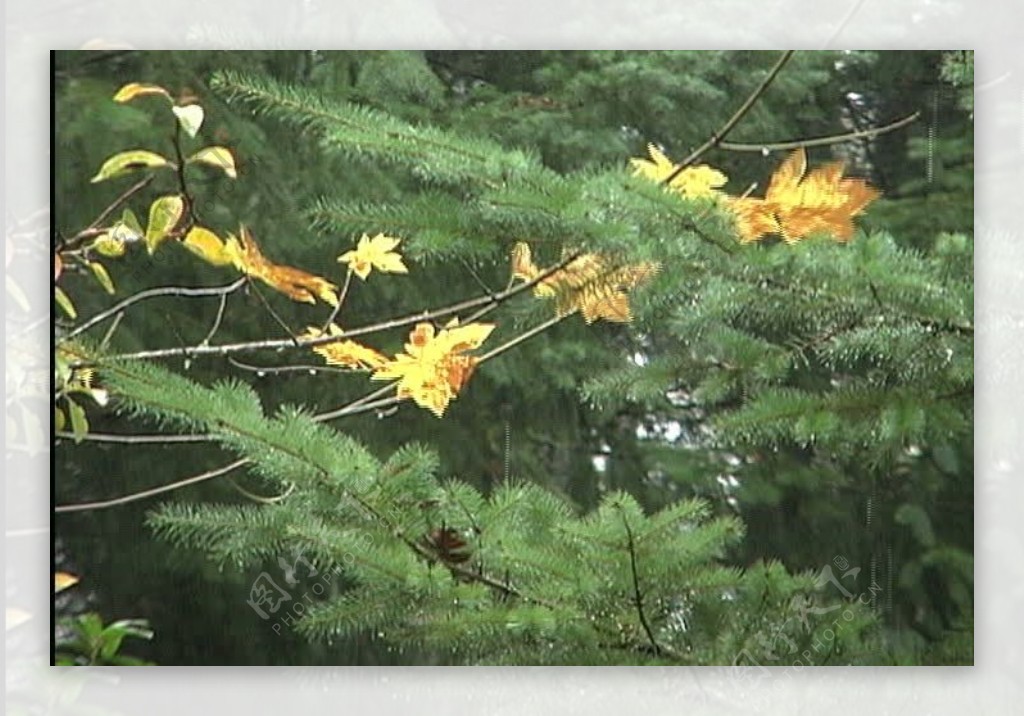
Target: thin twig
(854,9)
(94,228)
(202,477)
(341,300)
(819,141)
(363,405)
(266,305)
(261,370)
(259,498)
(276,343)
(152,293)
(132,439)
(522,337)
(638,598)
(110,331)
(715,139)
(180,171)
(216,321)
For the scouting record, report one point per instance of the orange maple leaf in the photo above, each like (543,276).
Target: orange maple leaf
(798,204)
(433,369)
(345,353)
(295,283)
(696,181)
(590,284)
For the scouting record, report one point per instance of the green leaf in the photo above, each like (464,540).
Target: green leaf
(131,221)
(64,302)
(190,118)
(164,214)
(79,423)
(207,246)
(62,368)
(219,157)
(59,422)
(125,162)
(109,246)
(100,272)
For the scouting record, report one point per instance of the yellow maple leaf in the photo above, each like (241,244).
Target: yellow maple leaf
(63,580)
(295,283)
(376,253)
(433,368)
(692,182)
(345,353)
(208,246)
(522,262)
(799,203)
(591,284)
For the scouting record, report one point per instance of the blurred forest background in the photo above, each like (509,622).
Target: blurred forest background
(906,522)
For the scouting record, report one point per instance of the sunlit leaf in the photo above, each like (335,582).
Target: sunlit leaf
(696,181)
(376,253)
(592,284)
(219,157)
(129,161)
(59,420)
(295,283)
(63,580)
(64,302)
(190,118)
(137,89)
(433,368)
(164,215)
(798,203)
(131,222)
(100,272)
(107,245)
(207,246)
(522,262)
(79,422)
(348,354)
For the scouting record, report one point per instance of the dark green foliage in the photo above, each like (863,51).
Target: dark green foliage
(772,409)
(538,585)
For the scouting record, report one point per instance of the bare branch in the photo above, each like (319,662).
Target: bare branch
(202,477)
(152,293)
(819,141)
(341,300)
(638,599)
(94,229)
(133,439)
(278,344)
(715,139)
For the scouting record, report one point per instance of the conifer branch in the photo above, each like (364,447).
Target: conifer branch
(638,599)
